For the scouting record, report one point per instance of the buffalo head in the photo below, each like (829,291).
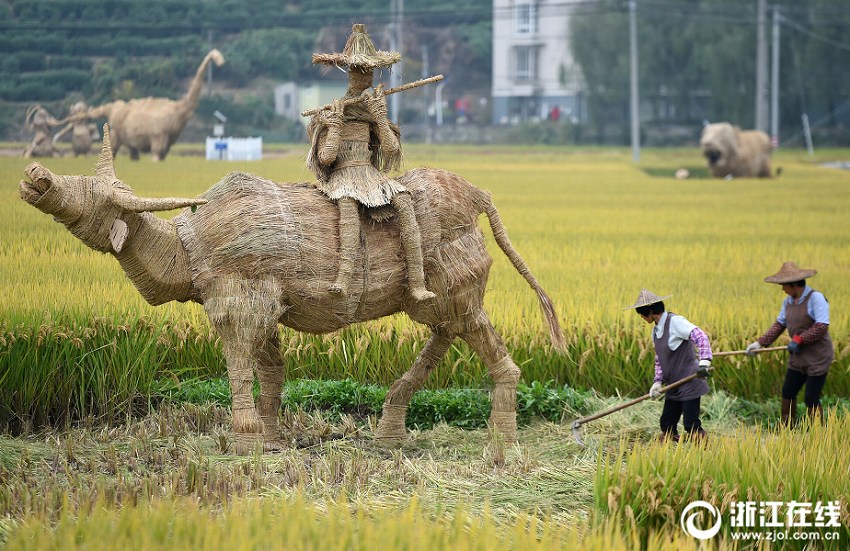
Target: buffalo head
(90,205)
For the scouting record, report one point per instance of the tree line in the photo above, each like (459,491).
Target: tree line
(56,52)
(697,62)
(697,57)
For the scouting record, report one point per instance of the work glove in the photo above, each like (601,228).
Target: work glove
(655,390)
(795,344)
(751,349)
(704,371)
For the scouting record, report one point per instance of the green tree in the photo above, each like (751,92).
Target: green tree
(599,42)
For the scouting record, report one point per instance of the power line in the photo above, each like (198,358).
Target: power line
(816,36)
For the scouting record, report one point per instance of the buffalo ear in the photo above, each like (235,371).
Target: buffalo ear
(105,163)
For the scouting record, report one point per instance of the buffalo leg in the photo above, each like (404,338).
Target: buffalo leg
(270,374)
(245,314)
(391,426)
(504,372)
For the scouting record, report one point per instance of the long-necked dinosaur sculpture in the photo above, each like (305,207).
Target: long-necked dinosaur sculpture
(152,124)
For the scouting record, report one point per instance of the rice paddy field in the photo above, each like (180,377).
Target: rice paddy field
(88,459)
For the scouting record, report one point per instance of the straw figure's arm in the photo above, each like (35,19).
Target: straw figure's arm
(47,119)
(58,136)
(328,144)
(377,106)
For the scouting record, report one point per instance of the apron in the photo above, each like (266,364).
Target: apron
(678,364)
(814,358)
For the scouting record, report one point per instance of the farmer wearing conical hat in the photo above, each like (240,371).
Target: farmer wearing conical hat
(351,148)
(681,349)
(805,313)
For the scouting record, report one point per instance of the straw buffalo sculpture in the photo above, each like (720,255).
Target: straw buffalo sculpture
(257,253)
(732,152)
(151,124)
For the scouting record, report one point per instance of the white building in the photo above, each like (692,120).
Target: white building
(534,74)
(291,99)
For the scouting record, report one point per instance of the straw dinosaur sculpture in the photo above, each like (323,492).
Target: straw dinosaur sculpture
(257,253)
(151,124)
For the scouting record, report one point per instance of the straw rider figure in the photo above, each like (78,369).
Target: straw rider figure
(351,148)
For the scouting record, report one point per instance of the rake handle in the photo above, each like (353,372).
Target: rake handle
(680,382)
(578,422)
(759,351)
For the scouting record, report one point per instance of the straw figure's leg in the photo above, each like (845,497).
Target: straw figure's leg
(411,242)
(349,240)
(245,314)
(504,372)
(391,426)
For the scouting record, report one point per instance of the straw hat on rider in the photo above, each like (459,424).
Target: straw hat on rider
(359,52)
(789,273)
(645,298)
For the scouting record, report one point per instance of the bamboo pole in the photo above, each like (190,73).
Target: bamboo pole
(395,90)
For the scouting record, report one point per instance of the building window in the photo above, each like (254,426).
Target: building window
(525,63)
(525,18)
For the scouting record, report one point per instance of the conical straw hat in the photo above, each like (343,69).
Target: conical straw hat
(645,298)
(789,273)
(359,52)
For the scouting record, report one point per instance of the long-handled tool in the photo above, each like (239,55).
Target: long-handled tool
(579,422)
(387,92)
(756,351)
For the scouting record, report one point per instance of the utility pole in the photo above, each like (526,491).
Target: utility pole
(774,80)
(438,101)
(761,67)
(633,65)
(397,44)
(425,94)
(209,65)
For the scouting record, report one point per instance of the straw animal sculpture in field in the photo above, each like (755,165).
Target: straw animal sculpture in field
(83,133)
(39,120)
(151,124)
(733,152)
(257,253)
